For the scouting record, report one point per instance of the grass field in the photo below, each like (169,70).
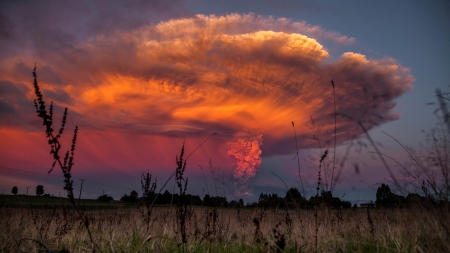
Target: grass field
(226,230)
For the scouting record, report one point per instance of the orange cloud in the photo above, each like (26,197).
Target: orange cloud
(225,74)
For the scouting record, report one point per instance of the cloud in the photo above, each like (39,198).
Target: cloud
(40,28)
(193,76)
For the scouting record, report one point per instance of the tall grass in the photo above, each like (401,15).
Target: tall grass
(124,230)
(55,147)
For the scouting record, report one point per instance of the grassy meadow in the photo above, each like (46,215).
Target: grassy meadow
(58,227)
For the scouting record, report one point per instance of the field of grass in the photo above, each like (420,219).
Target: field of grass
(226,230)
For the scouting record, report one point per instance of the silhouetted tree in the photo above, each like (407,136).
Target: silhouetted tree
(165,198)
(219,201)
(326,198)
(133,198)
(207,200)
(270,200)
(398,200)
(294,198)
(414,199)
(39,190)
(384,196)
(346,204)
(193,200)
(105,198)
(14,190)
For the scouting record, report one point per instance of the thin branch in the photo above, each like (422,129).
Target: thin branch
(379,153)
(335,132)
(407,151)
(298,159)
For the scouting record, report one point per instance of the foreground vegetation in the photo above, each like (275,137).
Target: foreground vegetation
(227,230)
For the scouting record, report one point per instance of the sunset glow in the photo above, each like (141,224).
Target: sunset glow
(137,94)
(217,74)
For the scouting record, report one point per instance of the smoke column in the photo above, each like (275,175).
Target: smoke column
(246,149)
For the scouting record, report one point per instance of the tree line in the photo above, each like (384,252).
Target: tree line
(385,198)
(292,199)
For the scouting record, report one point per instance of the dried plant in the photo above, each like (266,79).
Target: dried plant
(335,135)
(55,147)
(258,236)
(182,210)
(298,159)
(148,196)
(369,219)
(279,238)
(211,216)
(319,178)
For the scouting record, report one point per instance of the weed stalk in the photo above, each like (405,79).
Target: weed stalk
(53,141)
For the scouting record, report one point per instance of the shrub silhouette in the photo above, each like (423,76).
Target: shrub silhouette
(14,190)
(39,190)
(105,198)
(133,198)
(384,196)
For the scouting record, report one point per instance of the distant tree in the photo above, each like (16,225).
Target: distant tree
(326,198)
(133,198)
(207,200)
(398,200)
(355,206)
(165,198)
(384,196)
(217,201)
(125,198)
(271,201)
(105,198)
(175,197)
(241,202)
(253,204)
(39,190)
(196,200)
(234,203)
(190,199)
(14,190)
(134,194)
(263,200)
(294,198)
(414,199)
(346,204)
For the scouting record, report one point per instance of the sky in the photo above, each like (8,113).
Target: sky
(245,85)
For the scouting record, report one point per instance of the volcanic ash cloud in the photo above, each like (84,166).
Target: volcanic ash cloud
(200,74)
(246,148)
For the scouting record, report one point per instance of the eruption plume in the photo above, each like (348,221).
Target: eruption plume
(246,148)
